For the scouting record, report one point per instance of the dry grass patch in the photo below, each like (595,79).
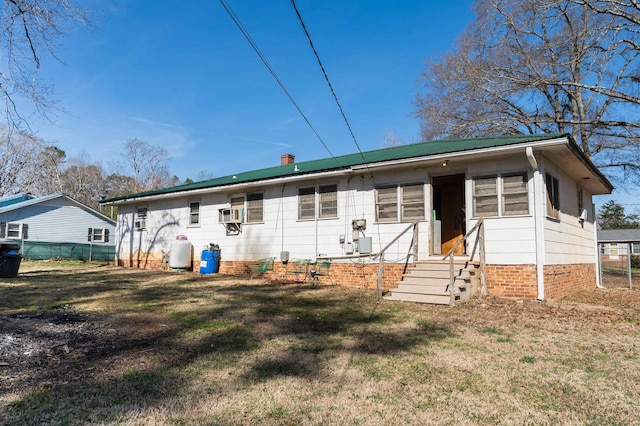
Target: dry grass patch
(109,345)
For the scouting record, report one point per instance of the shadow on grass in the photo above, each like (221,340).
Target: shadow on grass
(202,321)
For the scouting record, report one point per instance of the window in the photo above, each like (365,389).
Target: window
(307,203)
(511,189)
(515,195)
(635,248)
(141,219)
(13,230)
(485,196)
(412,202)
(194,213)
(387,204)
(98,235)
(408,200)
(328,201)
(553,197)
(255,212)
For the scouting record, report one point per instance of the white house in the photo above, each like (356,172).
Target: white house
(56,226)
(534,193)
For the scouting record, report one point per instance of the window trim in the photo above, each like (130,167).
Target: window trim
(399,203)
(500,193)
(190,222)
(141,215)
(104,235)
(311,190)
(20,230)
(319,196)
(248,208)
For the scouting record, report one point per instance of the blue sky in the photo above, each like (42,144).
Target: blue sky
(181,75)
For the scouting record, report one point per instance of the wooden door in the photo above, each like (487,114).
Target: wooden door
(451,211)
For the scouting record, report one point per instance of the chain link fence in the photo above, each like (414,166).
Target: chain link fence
(617,268)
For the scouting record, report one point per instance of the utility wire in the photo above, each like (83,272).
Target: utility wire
(236,20)
(304,27)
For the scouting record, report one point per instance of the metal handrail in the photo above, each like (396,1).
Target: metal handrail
(479,242)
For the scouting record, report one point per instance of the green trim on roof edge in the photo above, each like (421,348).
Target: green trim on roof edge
(421,149)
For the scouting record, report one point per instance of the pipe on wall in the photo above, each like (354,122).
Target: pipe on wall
(539,224)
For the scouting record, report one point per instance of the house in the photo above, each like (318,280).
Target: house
(616,243)
(532,192)
(56,226)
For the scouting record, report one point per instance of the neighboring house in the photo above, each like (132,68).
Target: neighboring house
(615,244)
(533,191)
(56,226)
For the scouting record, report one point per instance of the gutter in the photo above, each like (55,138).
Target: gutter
(538,216)
(226,188)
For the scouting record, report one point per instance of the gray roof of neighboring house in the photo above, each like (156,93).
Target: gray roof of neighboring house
(19,201)
(618,235)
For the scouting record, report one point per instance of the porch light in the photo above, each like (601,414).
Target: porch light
(445,163)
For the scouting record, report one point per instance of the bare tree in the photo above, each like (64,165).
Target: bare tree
(147,165)
(18,168)
(30,30)
(50,164)
(530,66)
(84,181)
(391,139)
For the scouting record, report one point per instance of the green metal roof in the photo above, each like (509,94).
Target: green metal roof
(422,149)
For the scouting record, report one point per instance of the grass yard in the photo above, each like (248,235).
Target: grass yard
(103,345)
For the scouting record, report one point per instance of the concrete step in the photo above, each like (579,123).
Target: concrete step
(437,273)
(443,299)
(443,281)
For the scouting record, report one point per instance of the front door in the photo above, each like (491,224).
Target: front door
(448,212)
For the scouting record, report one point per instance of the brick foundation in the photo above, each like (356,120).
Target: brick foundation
(348,274)
(564,280)
(512,281)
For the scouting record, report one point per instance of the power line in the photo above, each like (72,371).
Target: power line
(326,77)
(236,20)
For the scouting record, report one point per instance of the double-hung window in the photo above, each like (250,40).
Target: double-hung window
(501,195)
(324,199)
(12,230)
(255,207)
(98,235)
(400,202)
(194,213)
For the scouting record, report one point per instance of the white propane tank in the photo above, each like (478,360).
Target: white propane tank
(180,255)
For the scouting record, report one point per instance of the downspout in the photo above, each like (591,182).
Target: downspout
(597,250)
(538,216)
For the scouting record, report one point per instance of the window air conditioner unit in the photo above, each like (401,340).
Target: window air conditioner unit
(230,216)
(140,224)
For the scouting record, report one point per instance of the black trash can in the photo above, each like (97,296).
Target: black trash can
(9,264)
